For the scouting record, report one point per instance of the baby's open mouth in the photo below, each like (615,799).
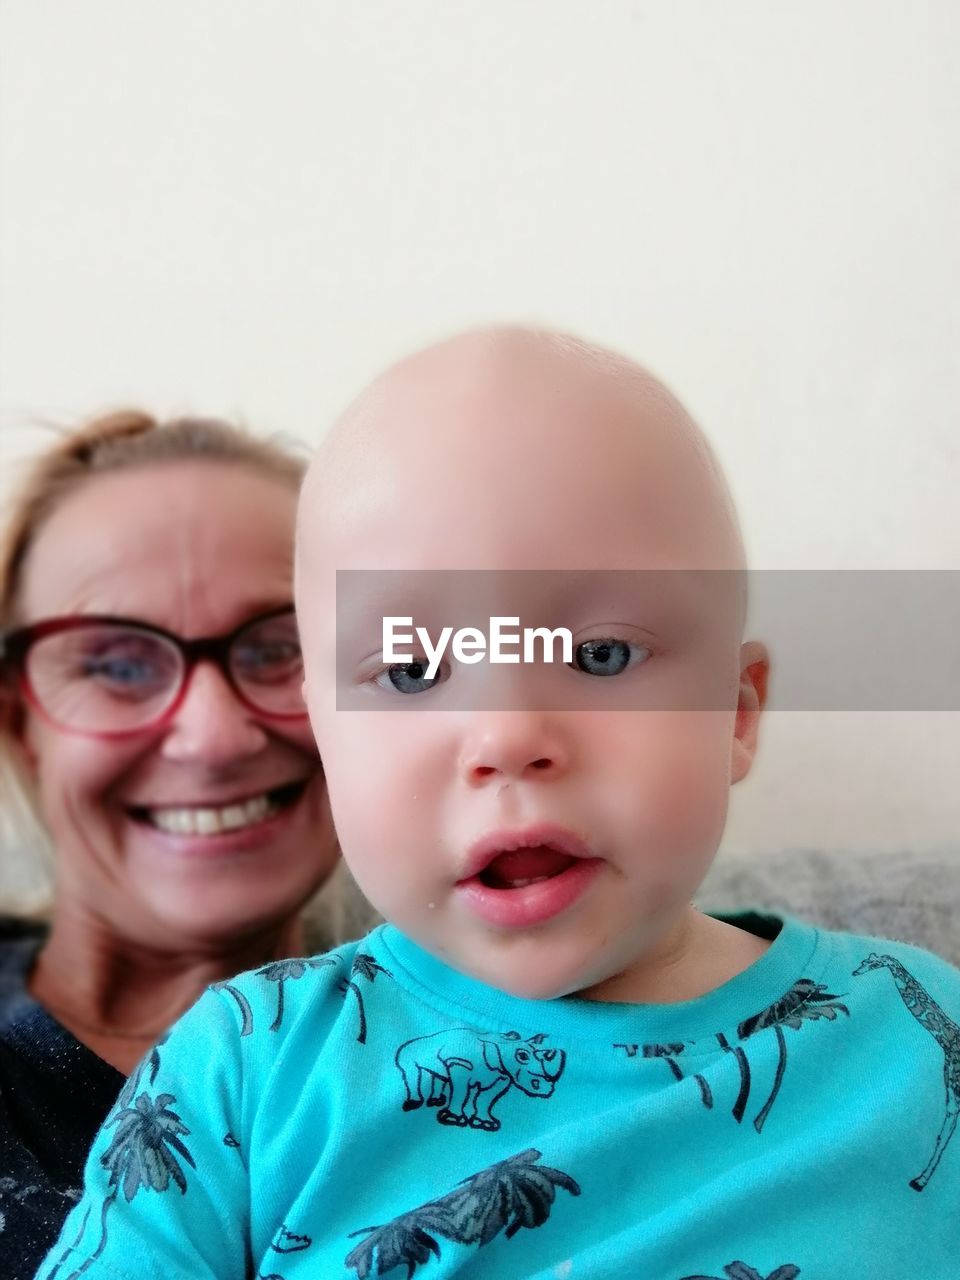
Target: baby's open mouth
(520,878)
(518,868)
(212,820)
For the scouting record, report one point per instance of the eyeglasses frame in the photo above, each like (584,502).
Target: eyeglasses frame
(15,645)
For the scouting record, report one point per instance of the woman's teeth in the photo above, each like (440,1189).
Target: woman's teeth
(211,822)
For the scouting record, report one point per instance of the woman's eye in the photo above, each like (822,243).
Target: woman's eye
(409,677)
(122,667)
(120,670)
(608,657)
(268,663)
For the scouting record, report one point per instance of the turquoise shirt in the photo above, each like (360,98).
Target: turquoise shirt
(373,1112)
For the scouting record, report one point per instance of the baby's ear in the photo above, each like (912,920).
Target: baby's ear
(754,672)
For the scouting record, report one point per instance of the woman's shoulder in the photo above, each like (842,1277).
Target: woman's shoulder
(20,940)
(16,928)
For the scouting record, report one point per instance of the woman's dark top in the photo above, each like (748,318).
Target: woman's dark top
(54,1095)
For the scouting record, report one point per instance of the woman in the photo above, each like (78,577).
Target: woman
(152,705)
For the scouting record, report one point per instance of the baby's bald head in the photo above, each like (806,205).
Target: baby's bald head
(517,449)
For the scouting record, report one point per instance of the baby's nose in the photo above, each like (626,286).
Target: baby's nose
(513,745)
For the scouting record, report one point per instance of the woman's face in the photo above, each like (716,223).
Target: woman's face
(197,548)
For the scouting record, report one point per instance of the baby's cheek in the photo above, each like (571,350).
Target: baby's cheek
(695,797)
(675,773)
(373,777)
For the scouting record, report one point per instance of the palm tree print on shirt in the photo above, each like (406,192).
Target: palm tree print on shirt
(743,1097)
(246,1013)
(806,1001)
(141,1154)
(508,1195)
(670,1053)
(364,966)
(740,1271)
(278,971)
(281,971)
(151,1063)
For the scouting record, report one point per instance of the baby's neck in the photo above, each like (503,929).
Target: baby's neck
(697,955)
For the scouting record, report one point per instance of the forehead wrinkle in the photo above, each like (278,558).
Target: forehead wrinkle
(156,554)
(89,552)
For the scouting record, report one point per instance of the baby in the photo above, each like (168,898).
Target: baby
(547,1063)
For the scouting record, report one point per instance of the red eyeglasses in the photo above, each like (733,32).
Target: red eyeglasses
(110,677)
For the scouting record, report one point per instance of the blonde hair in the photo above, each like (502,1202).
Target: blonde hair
(126,440)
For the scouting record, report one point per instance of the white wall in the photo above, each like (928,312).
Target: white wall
(246,207)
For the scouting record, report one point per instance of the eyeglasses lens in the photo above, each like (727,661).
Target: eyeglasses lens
(266,663)
(104,678)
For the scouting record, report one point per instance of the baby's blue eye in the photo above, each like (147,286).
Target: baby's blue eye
(607,657)
(408,677)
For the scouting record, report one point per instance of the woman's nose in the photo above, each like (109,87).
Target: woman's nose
(211,725)
(510,745)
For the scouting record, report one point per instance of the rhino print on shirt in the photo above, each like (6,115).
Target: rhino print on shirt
(465,1072)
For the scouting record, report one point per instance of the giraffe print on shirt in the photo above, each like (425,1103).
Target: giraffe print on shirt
(935,1022)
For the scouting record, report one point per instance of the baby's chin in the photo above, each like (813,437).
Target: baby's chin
(545,976)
